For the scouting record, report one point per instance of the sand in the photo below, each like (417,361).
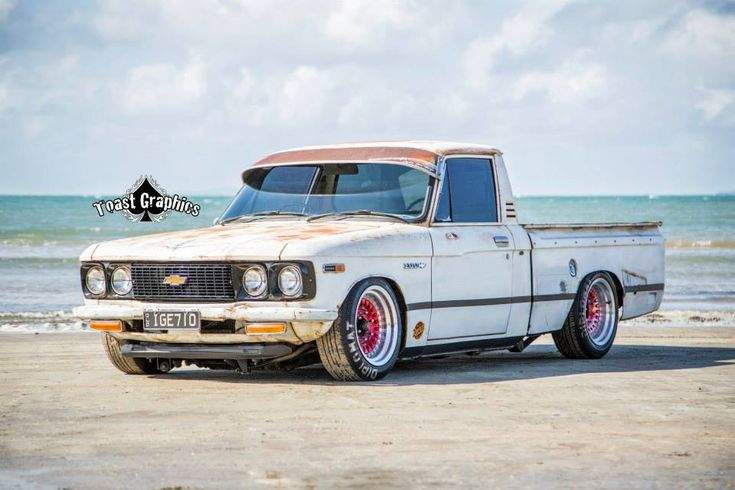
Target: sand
(658,411)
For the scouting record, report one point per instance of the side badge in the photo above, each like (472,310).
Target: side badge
(414,265)
(573,268)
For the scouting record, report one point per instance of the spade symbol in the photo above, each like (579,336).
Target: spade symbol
(146,192)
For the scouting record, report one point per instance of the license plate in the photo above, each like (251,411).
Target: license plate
(171,320)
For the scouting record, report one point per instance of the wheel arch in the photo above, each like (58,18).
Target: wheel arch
(401,307)
(619,289)
(617,284)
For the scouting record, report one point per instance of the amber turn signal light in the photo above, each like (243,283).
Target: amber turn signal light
(333,268)
(265,328)
(106,325)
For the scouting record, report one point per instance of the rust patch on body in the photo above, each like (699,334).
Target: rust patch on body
(349,153)
(418,330)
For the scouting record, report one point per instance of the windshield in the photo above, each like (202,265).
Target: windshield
(332,188)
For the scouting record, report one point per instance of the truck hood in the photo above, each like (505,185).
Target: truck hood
(261,240)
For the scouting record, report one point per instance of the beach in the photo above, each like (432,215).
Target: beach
(659,410)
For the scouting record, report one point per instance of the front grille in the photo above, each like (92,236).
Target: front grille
(209,282)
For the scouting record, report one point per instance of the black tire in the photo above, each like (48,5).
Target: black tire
(339,350)
(127,365)
(574,340)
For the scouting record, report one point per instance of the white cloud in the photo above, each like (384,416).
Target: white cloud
(235,79)
(715,102)
(308,96)
(29,91)
(5,7)
(574,81)
(163,87)
(304,94)
(367,23)
(524,31)
(703,35)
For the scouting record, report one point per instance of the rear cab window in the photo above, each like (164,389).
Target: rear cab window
(468,192)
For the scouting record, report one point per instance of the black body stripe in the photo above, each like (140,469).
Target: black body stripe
(554,297)
(460,303)
(644,287)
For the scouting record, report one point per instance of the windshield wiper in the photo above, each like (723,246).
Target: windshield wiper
(359,212)
(250,217)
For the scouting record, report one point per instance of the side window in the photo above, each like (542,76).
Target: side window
(468,192)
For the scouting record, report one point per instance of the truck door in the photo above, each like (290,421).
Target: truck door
(472,262)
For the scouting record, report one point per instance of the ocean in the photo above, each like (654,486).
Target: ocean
(41,238)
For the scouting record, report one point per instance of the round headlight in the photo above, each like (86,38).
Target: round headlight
(255,280)
(122,282)
(95,281)
(289,281)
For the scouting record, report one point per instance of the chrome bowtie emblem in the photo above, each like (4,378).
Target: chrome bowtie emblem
(175,280)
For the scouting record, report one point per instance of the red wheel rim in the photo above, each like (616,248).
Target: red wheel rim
(594,312)
(376,326)
(600,312)
(368,325)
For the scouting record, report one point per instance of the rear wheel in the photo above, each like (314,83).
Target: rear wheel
(590,328)
(127,365)
(364,341)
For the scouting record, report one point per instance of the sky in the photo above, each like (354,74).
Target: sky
(590,97)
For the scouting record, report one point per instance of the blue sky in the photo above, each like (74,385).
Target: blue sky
(631,97)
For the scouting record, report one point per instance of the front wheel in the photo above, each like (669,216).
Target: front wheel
(590,328)
(364,341)
(127,365)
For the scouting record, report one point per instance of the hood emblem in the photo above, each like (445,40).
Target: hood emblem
(175,280)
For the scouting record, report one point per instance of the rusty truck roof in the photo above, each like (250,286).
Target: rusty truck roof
(421,154)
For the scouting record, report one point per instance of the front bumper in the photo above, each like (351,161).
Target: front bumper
(304,324)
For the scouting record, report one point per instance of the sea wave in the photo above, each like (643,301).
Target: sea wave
(678,243)
(686,318)
(40,321)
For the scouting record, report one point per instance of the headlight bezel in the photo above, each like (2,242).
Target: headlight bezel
(262,290)
(298,291)
(85,280)
(273,291)
(114,270)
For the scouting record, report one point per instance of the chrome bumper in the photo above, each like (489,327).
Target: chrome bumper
(245,312)
(303,324)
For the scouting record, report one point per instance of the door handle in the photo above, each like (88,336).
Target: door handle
(501,241)
(451,235)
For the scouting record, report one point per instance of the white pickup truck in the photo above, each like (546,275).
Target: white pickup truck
(358,255)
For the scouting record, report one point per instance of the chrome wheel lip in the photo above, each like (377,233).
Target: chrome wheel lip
(387,343)
(600,327)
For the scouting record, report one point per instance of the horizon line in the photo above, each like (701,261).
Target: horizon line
(724,193)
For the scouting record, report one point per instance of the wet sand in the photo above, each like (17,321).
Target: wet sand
(658,411)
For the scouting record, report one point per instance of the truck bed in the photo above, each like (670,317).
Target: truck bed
(563,254)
